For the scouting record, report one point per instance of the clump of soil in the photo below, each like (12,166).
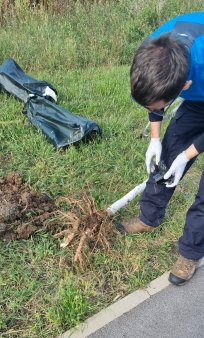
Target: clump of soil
(22,210)
(88,228)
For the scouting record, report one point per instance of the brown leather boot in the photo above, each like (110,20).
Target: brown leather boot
(182,270)
(133,226)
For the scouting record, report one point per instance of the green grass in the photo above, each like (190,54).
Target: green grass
(84,35)
(41,292)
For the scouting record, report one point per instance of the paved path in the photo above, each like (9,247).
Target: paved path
(174,312)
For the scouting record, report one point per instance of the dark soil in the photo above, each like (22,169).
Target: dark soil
(22,210)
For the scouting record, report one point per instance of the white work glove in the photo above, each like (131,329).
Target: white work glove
(176,169)
(154,149)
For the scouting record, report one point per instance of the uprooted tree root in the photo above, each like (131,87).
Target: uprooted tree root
(88,227)
(23,212)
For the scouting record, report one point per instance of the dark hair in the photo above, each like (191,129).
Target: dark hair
(159,69)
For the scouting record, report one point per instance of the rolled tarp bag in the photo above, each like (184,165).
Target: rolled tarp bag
(14,81)
(60,126)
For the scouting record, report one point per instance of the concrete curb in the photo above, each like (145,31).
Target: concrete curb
(120,307)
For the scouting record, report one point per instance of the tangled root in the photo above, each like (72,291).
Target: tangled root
(87,227)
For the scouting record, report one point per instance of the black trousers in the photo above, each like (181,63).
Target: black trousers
(184,128)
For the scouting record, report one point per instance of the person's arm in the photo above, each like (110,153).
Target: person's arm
(155,147)
(199,144)
(191,152)
(155,129)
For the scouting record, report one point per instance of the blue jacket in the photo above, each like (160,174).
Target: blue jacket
(190,29)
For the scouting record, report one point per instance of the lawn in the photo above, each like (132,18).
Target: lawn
(42,292)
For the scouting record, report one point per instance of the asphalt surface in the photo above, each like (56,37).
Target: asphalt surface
(175,312)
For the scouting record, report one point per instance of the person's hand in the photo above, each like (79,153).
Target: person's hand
(177,169)
(154,149)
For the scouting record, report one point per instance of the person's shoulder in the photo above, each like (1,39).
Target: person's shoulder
(193,17)
(168,26)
